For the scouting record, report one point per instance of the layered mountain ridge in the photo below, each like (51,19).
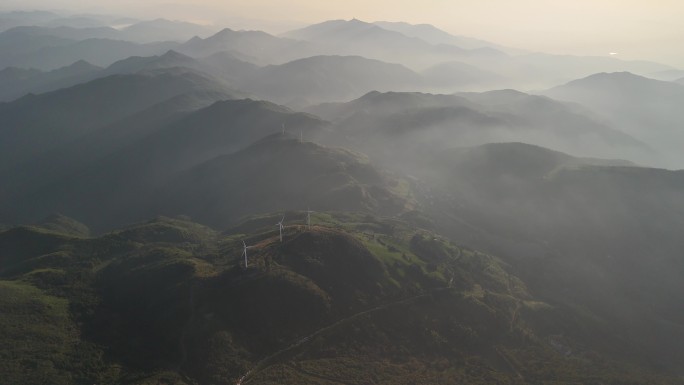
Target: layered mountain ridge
(345,203)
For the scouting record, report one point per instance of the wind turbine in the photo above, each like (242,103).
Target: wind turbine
(281,227)
(308,217)
(244,251)
(283,128)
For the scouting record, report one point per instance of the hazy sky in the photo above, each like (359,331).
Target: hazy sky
(648,29)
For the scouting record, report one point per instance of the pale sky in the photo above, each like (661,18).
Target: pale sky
(634,29)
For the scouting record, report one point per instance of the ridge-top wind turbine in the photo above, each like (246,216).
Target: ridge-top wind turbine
(244,251)
(308,217)
(281,227)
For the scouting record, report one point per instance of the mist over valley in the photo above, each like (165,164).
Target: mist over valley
(347,201)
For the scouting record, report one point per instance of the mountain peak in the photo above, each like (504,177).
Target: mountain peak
(614,75)
(171,54)
(620,80)
(332,28)
(225,31)
(76,68)
(82,64)
(194,39)
(623,77)
(62,224)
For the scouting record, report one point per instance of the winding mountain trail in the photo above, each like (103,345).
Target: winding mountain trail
(267,361)
(183,345)
(514,316)
(317,376)
(508,362)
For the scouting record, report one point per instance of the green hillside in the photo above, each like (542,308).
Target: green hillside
(346,203)
(355,298)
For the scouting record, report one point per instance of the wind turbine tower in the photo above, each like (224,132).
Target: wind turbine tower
(281,227)
(244,252)
(308,217)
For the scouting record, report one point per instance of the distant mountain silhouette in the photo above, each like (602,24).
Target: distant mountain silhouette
(164,30)
(222,65)
(24,47)
(386,103)
(21,41)
(262,47)
(355,37)
(327,78)
(141,32)
(70,113)
(434,35)
(650,110)
(66,32)
(562,68)
(344,30)
(17,82)
(387,125)
(136,64)
(49,19)
(13,19)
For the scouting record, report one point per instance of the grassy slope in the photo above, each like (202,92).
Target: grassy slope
(355,299)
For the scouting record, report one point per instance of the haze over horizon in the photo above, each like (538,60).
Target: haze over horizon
(295,193)
(631,30)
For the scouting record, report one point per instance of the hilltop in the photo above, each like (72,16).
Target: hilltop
(171,301)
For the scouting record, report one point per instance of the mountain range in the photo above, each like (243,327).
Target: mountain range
(355,37)
(447,66)
(327,78)
(72,112)
(434,35)
(16,82)
(645,108)
(43,50)
(345,203)
(170,143)
(404,125)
